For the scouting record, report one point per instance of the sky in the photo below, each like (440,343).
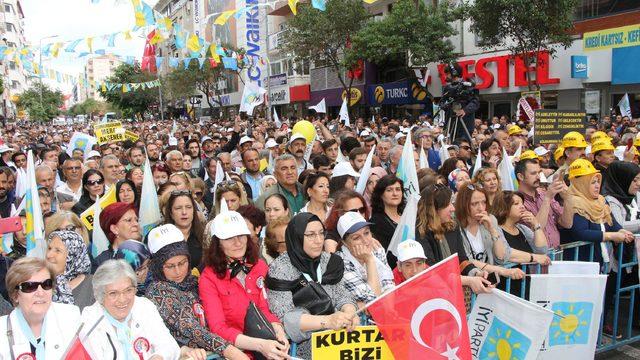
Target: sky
(78,19)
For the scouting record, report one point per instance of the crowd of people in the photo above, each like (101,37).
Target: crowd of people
(285,245)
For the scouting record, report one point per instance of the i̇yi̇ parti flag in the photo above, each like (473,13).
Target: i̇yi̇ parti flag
(424,317)
(150,212)
(478,163)
(276,119)
(503,326)
(320,108)
(444,150)
(81,141)
(344,113)
(36,245)
(625,106)
(424,160)
(99,241)
(406,228)
(365,172)
(407,169)
(252,96)
(507,173)
(577,300)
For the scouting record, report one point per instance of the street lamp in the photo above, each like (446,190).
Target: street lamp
(40,65)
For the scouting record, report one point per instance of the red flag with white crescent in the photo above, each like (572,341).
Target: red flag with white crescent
(425,317)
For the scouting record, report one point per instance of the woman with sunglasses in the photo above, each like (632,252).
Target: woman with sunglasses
(483,242)
(347,201)
(233,278)
(233,193)
(39,328)
(119,221)
(387,204)
(174,290)
(181,211)
(68,256)
(92,187)
(310,309)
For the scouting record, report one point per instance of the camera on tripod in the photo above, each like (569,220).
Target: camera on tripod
(455,93)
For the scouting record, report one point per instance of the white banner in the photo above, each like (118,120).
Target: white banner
(577,300)
(574,268)
(503,326)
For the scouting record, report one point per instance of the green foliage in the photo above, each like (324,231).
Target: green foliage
(523,26)
(1,85)
(323,36)
(134,102)
(410,27)
(90,107)
(38,110)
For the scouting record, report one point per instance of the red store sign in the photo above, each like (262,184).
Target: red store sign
(486,78)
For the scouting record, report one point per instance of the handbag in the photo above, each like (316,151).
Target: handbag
(256,325)
(312,296)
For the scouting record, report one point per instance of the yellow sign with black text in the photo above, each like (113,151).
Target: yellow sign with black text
(130,135)
(365,342)
(611,38)
(109,132)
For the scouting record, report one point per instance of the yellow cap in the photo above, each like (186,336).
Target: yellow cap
(636,141)
(529,154)
(581,167)
(602,145)
(558,153)
(515,130)
(574,139)
(599,135)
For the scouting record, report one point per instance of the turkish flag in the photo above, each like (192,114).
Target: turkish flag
(76,351)
(424,317)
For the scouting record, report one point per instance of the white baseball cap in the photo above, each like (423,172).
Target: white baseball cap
(162,236)
(541,151)
(297,136)
(351,222)
(229,224)
(410,249)
(4,148)
(365,132)
(93,153)
(399,136)
(344,168)
(270,144)
(245,139)
(205,138)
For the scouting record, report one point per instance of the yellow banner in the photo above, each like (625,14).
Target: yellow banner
(611,38)
(130,135)
(109,132)
(107,199)
(365,342)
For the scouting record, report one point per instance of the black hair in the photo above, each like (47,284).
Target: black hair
(349,144)
(321,160)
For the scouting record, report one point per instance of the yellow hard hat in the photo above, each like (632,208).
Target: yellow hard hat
(636,141)
(599,135)
(558,153)
(581,167)
(574,139)
(601,145)
(515,130)
(529,154)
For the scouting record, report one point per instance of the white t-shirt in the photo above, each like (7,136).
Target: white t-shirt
(477,246)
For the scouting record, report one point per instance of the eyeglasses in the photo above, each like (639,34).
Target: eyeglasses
(312,236)
(362,210)
(175,266)
(180,192)
(31,286)
(473,187)
(69,228)
(198,193)
(95,182)
(114,295)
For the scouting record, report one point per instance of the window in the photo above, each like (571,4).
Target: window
(12,65)
(14,84)
(276,68)
(589,9)
(8,8)
(11,27)
(11,44)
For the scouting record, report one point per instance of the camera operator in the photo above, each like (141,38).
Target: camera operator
(459,99)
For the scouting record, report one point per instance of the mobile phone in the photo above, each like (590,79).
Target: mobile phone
(10,224)
(493,278)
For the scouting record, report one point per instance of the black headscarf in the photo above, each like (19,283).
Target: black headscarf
(617,178)
(294,239)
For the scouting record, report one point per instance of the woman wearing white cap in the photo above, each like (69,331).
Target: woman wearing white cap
(174,290)
(232,290)
(366,272)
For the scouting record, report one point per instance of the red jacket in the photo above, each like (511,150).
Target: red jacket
(225,301)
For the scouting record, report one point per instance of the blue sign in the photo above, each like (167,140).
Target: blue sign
(390,93)
(579,67)
(624,65)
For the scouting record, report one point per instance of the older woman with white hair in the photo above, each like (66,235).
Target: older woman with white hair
(126,326)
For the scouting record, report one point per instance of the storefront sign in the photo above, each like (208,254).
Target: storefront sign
(390,93)
(551,125)
(278,80)
(579,67)
(624,65)
(611,38)
(279,95)
(592,101)
(356,95)
(255,29)
(364,342)
(485,77)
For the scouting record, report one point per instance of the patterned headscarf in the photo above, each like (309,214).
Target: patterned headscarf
(78,263)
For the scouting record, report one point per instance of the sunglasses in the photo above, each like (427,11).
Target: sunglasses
(362,210)
(180,192)
(473,187)
(31,286)
(95,182)
(69,228)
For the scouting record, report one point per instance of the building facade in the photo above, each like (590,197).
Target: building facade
(13,74)
(97,70)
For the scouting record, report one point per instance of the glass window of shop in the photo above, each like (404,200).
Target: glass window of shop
(589,9)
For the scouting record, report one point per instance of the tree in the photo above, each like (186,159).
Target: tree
(411,27)
(45,109)
(324,37)
(134,102)
(523,27)
(90,107)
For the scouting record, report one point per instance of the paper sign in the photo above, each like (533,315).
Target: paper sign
(109,132)
(130,135)
(365,342)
